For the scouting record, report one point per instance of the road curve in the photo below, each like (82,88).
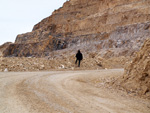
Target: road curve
(65,92)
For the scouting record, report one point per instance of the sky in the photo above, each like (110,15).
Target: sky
(19,16)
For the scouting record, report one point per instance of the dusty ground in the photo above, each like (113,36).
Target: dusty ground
(65,92)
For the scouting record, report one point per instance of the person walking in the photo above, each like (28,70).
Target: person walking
(79,57)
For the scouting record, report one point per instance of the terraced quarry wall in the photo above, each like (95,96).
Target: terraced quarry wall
(116,26)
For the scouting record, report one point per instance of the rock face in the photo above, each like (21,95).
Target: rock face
(119,26)
(4,47)
(137,74)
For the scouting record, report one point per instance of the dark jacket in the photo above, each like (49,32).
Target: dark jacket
(79,55)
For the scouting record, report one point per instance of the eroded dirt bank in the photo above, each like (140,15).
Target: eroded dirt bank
(66,92)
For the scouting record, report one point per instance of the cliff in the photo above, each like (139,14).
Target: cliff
(115,26)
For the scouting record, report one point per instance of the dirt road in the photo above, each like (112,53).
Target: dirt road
(65,92)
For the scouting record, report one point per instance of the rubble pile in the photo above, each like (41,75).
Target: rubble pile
(64,63)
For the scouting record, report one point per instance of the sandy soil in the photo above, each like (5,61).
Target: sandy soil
(65,92)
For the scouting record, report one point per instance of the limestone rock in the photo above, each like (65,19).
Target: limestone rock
(6,70)
(118,26)
(3,48)
(137,73)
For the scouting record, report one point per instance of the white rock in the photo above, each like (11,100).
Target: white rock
(69,63)
(62,66)
(42,66)
(6,70)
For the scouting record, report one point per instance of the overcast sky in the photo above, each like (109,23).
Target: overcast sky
(19,16)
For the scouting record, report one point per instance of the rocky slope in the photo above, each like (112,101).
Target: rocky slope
(137,74)
(112,27)
(136,79)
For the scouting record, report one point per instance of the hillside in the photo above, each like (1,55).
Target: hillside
(111,28)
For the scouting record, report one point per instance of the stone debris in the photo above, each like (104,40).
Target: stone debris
(6,70)
(65,62)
